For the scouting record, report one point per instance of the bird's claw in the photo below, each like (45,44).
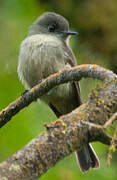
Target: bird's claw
(24,93)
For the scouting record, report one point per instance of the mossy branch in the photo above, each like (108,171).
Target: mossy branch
(85,124)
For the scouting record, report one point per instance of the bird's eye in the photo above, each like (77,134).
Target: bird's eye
(51,28)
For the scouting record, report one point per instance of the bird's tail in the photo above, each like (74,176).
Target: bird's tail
(87,158)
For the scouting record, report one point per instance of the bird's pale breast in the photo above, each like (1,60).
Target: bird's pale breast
(40,56)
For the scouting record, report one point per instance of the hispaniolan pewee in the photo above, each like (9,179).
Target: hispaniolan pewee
(46,51)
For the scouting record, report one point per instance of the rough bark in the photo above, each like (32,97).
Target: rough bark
(64,136)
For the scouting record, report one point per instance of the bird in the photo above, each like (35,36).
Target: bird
(46,51)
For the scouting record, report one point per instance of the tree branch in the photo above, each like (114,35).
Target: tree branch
(75,73)
(69,132)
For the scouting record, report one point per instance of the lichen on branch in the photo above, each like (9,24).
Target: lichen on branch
(87,123)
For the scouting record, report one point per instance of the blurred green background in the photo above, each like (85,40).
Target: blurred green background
(96,22)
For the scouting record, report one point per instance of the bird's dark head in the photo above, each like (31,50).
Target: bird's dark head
(51,23)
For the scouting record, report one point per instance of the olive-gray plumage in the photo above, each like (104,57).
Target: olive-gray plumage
(46,51)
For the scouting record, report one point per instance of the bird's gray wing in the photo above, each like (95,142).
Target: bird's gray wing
(86,156)
(70,59)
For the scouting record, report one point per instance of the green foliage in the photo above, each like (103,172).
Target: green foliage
(96,22)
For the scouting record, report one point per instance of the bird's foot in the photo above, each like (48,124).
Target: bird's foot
(40,81)
(24,93)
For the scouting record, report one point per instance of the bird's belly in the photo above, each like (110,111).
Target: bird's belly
(62,97)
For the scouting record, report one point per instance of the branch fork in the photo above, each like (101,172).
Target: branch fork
(87,123)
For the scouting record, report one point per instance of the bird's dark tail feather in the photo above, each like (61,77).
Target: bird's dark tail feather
(87,158)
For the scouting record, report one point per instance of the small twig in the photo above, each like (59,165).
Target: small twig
(110,121)
(112,147)
(95,128)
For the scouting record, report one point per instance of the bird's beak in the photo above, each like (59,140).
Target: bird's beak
(69,32)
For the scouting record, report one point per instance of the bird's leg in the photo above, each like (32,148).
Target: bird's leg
(67,66)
